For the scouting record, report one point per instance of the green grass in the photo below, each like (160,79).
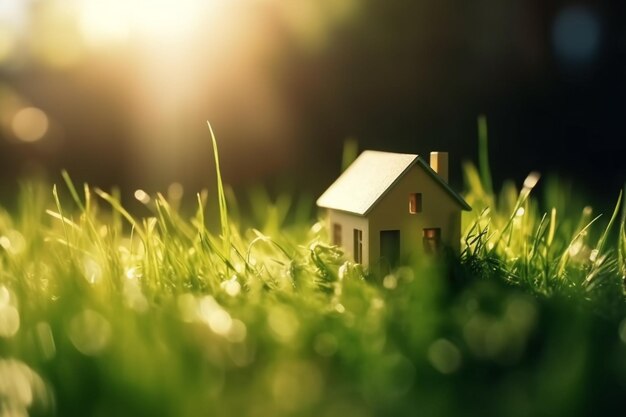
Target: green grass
(106,313)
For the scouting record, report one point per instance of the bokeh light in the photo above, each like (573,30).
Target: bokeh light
(89,332)
(9,316)
(444,356)
(22,389)
(30,124)
(576,35)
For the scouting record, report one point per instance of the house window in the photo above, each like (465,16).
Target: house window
(432,240)
(336,234)
(358,246)
(415,203)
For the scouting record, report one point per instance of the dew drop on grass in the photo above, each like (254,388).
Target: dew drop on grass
(232,287)
(142,196)
(92,270)
(5,243)
(13,242)
(576,248)
(132,273)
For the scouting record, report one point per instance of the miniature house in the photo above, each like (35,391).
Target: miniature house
(386,205)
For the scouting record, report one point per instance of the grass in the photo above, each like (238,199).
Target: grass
(103,312)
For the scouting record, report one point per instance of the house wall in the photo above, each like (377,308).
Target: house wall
(348,223)
(439,209)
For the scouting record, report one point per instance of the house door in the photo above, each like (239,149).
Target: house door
(390,247)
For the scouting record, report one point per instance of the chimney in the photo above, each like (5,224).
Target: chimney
(439,164)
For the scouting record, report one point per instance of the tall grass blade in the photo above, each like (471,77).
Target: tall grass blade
(597,255)
(605,235)
(55,193)
(566,254)
(221,199)
(483,155)
(73,192)
(621,247)
(350,151)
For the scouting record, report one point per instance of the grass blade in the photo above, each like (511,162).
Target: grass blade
(350,152)
(73,192)
(117,207)
(483,154)
(221,198)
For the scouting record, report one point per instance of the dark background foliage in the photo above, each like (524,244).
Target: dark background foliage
(284,88)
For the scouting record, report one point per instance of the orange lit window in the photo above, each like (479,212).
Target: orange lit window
(434,233)
(415,203)
(432,240)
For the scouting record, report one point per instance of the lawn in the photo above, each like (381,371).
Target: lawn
(109,313)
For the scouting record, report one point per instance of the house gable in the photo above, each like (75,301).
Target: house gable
(439,210)
(371,176)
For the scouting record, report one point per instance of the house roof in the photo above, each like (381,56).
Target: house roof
(379,171)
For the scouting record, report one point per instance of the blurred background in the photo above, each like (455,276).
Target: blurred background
(118,91)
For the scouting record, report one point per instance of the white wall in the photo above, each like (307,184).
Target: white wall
(348,223)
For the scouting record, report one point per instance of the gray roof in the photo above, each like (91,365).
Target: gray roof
(379,171)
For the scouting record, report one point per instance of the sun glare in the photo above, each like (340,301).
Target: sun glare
(103,22)
(113,21)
